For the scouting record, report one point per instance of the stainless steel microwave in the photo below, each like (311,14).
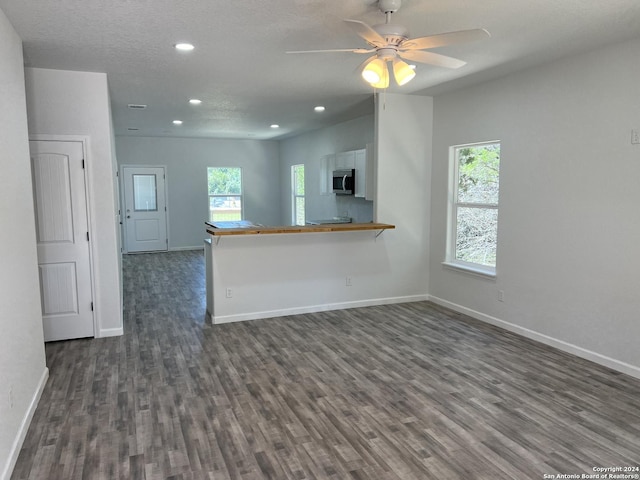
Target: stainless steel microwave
(344,181)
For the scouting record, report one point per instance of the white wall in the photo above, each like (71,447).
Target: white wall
(309,148)
(22,361)
(273,275)
(77,103)
(187,160)
(404,142)
(569,227)
(286,274)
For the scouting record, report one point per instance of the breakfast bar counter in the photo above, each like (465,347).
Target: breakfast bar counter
(250,229)
(256,271)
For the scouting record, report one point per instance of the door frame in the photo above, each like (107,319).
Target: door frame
(122,199)
(88,194)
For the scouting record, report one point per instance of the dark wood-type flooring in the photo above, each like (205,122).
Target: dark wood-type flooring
(398,392)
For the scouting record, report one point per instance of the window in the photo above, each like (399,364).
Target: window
(144,193)
(225,193)
(297,191)
(473,212)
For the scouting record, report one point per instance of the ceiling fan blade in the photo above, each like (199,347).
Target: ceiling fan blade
(369,34)
(432,58)
(444,39)
(352,50)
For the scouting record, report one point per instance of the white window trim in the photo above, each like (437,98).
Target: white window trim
(472,268)
(450,259)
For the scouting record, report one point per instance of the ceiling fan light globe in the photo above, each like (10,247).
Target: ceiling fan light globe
(402,72)
(384,79)
(374,71)
(370,76)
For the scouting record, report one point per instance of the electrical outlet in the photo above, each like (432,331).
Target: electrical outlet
(347,281)
(229,293)
(635,137)
(501,295)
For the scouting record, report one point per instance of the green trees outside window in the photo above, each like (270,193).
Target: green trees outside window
(225,193)
(474,235)
(297,189)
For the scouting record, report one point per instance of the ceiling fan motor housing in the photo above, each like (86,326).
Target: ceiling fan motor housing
(387,54)
(394,34)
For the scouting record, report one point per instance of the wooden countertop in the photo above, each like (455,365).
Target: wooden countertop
(330,227)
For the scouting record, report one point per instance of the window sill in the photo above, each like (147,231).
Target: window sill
(472,270)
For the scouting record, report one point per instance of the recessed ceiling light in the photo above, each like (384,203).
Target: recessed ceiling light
(177,122)
(195,101)
(275,125)
(319,108)
(184,47)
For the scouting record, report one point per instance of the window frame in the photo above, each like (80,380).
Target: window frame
(295,196)
(136,192)
(451,259)
(226,195)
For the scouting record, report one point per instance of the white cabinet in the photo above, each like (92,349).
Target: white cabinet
(327,165)
(365,173)
(360,157)
(360,160)
(346,160)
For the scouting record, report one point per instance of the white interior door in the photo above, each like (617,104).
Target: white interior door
(145,214)
(63,239)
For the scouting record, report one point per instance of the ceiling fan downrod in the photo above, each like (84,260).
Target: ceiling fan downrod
(387,17)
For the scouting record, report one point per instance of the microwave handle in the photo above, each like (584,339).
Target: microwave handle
(344,182)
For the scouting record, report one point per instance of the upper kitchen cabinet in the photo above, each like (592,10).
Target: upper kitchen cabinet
(346,160)
(364,165)
(327,165)
(361,160)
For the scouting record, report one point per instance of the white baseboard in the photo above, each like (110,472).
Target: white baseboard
(180,249)
(24,427)
(631,370)
(111,332)
(241,317)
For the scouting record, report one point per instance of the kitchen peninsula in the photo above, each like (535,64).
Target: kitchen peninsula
(260,272)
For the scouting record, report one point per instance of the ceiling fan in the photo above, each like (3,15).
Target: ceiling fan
(391,43)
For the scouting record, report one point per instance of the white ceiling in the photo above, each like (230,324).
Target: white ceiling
(245,80)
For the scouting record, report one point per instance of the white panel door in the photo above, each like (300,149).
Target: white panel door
(145,214)
(63,239)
